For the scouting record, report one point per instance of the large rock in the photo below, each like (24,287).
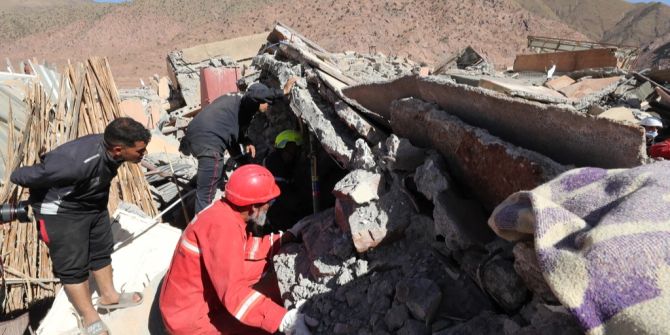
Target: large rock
(430,178)
(378,221)
(504,284)
(421,296)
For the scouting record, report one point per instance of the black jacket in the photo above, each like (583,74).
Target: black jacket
(223,123)
(73,178)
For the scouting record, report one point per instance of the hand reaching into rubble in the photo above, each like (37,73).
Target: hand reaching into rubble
(289,85)
(296,322)
(251,150)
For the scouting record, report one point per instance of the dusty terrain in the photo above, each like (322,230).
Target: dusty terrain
(137,36)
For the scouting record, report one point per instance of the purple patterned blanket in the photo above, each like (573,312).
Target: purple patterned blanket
(602,239)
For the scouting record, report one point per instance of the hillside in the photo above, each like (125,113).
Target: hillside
(611,21)
(137,36)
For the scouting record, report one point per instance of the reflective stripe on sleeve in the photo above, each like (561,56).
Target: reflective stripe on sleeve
(190,246)
(247,304)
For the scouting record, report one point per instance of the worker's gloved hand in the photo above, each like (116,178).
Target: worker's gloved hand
(298,228)
(296,323)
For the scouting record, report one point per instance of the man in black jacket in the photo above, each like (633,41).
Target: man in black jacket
(222,126)
(69,191)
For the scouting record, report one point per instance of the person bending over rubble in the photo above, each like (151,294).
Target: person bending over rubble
(221,126)
(220,280)
(69,191)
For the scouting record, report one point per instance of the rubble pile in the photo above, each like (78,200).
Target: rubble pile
(402,245)
(408,165)
(406,248)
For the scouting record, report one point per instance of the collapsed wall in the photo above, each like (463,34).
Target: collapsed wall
(406,249)
(559,132)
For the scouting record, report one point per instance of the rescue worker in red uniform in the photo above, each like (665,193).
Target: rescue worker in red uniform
(220,280)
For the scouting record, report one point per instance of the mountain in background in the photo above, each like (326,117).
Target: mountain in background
(136,36)
(609,21)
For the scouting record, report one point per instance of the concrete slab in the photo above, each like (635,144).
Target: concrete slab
(164,88)
(239,48)
(619,114)
(560,82)
(567,61)
(586,87)
(491,168)
(133,108)
(558,132)
(518,89)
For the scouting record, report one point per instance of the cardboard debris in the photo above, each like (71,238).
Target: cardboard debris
(567,61)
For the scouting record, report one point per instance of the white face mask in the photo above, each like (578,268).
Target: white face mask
(260,219)
(651,134)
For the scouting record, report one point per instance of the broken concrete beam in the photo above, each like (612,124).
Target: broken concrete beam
(348,115)
(293,51)
(560,82)
(537,93)
(281,70)
(586,87)
(491,168)
(359,124)
(324,126)
(558,132)
(566,61)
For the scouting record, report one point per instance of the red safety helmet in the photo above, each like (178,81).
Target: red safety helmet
(251,184)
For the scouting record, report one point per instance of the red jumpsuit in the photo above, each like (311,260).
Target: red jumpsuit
(212,286)
(661,150)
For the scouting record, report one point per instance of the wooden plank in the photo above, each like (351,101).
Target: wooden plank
(567,61)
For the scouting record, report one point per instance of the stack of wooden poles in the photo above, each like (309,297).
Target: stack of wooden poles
(88,100)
